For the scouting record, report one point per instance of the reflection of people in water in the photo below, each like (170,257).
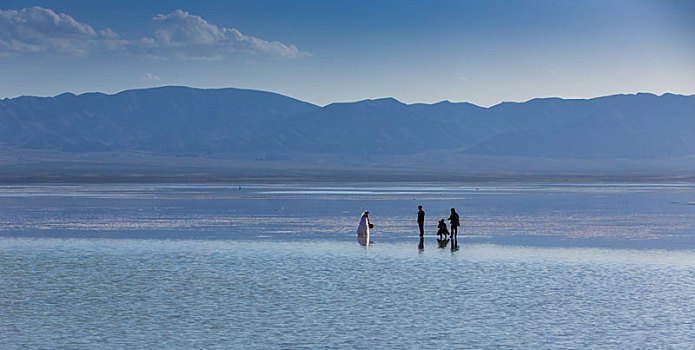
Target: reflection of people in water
(454,221)
(421,244)
(454,243)
(442,229)
(442,242)
(363,229)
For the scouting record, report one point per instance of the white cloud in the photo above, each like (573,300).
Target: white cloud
(39,30)
(187,36)
(177,35)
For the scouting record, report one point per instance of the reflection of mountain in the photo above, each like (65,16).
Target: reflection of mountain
(172,121)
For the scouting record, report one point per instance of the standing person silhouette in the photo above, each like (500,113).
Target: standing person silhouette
(421,220)
(455,223)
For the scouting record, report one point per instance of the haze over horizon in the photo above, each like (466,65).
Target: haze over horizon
(416,52)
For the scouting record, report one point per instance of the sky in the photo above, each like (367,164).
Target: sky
(483,52)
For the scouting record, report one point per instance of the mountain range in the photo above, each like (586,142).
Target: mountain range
(233,128)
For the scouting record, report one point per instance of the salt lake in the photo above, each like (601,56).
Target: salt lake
(277,266)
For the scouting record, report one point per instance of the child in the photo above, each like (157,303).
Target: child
(442,229)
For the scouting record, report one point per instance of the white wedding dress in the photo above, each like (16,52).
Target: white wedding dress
(363,231)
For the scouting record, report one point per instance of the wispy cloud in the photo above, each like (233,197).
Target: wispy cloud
(150,77)
(177,35)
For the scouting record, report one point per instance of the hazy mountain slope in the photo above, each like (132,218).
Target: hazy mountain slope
(160,119)
(621,126)
(383,126)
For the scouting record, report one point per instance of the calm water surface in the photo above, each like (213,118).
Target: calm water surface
(609,215)
(278,267)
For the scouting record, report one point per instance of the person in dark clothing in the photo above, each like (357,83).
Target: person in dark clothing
(442,229)
(454,221)
(443,234)
(421,220)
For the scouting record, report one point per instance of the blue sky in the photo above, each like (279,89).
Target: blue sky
(482,52)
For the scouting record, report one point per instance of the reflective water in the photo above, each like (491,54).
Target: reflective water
(608,215)
(92,293)
(278,267)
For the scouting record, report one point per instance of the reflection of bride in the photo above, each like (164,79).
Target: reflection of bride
(363,229)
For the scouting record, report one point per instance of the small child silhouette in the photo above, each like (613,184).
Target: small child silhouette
(442,228)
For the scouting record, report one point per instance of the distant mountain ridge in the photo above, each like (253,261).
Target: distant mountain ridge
(160,119)
(181,119)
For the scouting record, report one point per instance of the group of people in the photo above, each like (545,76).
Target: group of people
(443,233)
(454,221)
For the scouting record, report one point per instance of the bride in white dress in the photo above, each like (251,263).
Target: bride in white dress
(363,229)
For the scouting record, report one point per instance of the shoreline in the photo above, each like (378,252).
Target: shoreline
(210,179)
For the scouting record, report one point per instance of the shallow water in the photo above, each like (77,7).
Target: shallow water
(278,267)
(327,294)
(594,215)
